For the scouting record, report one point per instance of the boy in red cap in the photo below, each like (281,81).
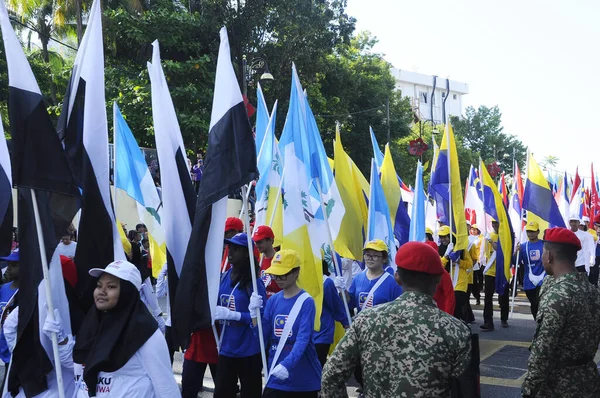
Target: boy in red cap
(264,237)
(566,339)
(233,226)
(424,346)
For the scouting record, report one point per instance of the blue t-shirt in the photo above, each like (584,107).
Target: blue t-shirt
(298,355)
(332,310)
(531,256)
(6,293)
(239,340)
(388,291)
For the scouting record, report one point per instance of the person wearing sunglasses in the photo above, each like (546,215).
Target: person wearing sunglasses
(294,369)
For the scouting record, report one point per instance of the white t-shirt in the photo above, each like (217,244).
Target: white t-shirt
(147,374)
(67,250)
(587,255)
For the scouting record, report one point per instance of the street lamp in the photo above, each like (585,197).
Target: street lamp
(257,64)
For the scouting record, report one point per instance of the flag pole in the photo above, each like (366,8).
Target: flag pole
(450,209)
(514,293)
(48,288)
(338,268)
(115,160)
(261,339)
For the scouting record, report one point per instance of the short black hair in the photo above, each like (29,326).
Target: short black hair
(138,226)
(429,236)
(325,266)
(562,252)
(425,283)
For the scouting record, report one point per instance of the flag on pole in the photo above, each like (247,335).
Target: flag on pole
(353,230)
(495,208)
(302,232)
(417,219)
(564,206)
(377,154)
(538,199)
(392,190)
(229,164)
(515,211)
(474,198)
(84,130)
(39,163)
(6,202)
(576,185)
(446,188)
(595,200)
(178,194)
(262,119)
(133,176)
(380,223)
(269,210)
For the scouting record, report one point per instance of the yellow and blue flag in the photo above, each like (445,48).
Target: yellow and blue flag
(538,199)
(393,194)
(133,176)
(446,188)
(494,206)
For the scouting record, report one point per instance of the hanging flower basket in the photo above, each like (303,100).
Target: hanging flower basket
(417,147)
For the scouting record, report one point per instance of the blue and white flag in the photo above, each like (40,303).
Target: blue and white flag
(380,222)
(417,219)
(262,119)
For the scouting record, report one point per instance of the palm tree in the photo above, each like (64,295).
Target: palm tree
(550,161)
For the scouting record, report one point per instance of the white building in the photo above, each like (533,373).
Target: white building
(424,101)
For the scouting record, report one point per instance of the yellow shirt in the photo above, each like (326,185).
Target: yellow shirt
(490,250)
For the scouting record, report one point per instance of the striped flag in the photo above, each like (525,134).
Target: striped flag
(178,194)
(39,164)
(84,130)
(230,163)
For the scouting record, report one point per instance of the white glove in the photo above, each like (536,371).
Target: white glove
(280,372)
(226,314)
(449,249)
(256,303)
(161,323)
(54,326)
(339,282)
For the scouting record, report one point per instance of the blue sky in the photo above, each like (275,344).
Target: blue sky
(538,61)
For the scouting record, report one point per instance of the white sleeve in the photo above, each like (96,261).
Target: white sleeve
(149,298)
(154,355)
(10,329)
(161,282)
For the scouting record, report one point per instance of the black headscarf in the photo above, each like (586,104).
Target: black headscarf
(107,340)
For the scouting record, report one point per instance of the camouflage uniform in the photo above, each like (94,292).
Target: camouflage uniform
(406,348)
(566,339)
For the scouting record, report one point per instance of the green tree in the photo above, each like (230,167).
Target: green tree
(550,161)
(481,131)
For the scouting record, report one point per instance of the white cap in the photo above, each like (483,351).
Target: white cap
(585,219)
(122,270)
(574,217)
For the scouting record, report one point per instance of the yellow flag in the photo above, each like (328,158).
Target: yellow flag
(350,240)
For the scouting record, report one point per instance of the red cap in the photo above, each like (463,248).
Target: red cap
(433,245)
(234,223)
(597,219)
(562,236)
(420,257)
(262,232)
(69,270)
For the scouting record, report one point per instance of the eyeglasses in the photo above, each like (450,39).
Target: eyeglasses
(368,256)
(284,277)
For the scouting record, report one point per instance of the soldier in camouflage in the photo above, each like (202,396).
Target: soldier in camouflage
(568,326)
(407,347)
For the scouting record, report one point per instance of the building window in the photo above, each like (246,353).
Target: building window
(454,96)
(423,97)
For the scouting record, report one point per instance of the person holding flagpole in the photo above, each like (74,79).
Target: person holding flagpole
(239,348)
(531,258)
(288,323)
(490,284)
(463,264)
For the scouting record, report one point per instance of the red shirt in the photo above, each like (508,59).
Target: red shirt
(444,294)
(203,347)
(270,284)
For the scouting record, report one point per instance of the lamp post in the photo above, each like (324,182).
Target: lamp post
(256,64)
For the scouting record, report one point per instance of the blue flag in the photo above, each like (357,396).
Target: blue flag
(417,220)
